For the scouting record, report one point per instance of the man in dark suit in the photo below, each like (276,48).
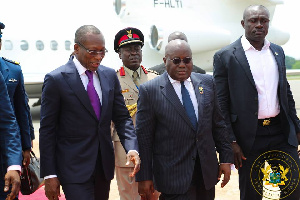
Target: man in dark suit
(79,101)
(179,127)
(256,99)
(161,68)
(10,146)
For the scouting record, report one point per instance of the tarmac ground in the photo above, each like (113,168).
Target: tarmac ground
(229,192)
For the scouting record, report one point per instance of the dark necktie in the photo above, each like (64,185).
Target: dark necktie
(94,98)
(188,105)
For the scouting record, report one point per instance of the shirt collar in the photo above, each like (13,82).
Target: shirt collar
(81,69)
(247,46)
(130,72)
(175,81)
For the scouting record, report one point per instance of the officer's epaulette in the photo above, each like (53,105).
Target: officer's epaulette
(11,61)
(143,68)
(122,71)
(151,71)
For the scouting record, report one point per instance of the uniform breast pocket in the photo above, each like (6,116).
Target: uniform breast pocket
(129,98)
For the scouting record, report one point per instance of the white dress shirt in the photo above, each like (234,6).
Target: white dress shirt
(189,86)
(85,80)
(265,73)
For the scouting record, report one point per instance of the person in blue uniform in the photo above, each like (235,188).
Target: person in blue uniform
(10,146)
(13,77)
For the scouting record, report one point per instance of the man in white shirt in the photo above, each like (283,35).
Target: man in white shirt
(258,106)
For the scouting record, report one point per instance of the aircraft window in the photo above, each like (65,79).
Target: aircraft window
(8,45)
(24,45)
(53,45)
(67,45)
(39,45)
(118,5)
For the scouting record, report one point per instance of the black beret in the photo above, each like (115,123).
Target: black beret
(127,36)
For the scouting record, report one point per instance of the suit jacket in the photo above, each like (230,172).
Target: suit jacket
(130,93)
(161,68)
(168,142)
(239,98)
(71,135)
(10,142)
(14,80)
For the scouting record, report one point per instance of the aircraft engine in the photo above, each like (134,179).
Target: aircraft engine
(200,38)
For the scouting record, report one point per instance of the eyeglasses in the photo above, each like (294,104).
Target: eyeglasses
(185,60)
(93,52)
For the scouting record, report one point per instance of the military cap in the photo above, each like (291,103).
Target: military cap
(2,26)
(128,36)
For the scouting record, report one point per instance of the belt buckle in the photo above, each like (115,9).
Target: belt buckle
(266,122)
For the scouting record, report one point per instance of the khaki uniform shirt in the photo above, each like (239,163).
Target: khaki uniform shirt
(131,93)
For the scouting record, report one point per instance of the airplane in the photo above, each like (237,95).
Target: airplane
(40,34)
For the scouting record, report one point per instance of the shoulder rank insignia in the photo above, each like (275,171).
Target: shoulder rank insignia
(11,61)
(122,71)
(145,71)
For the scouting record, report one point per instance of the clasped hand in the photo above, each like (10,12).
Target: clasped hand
(132,156)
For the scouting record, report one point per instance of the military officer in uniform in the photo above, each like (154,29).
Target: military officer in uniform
(128,44)
(14,81)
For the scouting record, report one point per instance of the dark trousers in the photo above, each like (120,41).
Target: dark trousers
(267,138)
(96,188)
(196,190)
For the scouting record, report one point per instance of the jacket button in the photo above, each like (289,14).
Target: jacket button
(255,113)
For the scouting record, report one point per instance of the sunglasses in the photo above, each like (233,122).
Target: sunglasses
(177,61)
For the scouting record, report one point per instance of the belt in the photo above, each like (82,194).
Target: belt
(269,121)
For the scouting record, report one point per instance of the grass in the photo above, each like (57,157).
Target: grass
(293,77)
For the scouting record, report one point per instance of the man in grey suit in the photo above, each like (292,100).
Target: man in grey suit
(179,128)
(257,102)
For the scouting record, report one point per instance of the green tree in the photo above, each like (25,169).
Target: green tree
(289,62)
(296,65)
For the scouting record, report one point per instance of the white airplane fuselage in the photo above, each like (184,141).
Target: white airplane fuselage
(41,38)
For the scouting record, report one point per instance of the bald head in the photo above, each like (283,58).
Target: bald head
(177,35)
(254,8)
(178,59)
(177,44)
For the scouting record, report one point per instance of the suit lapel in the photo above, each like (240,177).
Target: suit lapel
(242,59)
(170,94)
(73,79)
(4,69)
(280,65)
(197,84)
(105,88)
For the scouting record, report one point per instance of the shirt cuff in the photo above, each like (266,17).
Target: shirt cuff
(134,151)
(50,176)
(14,167)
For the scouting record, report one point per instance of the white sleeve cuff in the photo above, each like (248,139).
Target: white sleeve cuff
(50,176)
(14,167)
(134,151)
